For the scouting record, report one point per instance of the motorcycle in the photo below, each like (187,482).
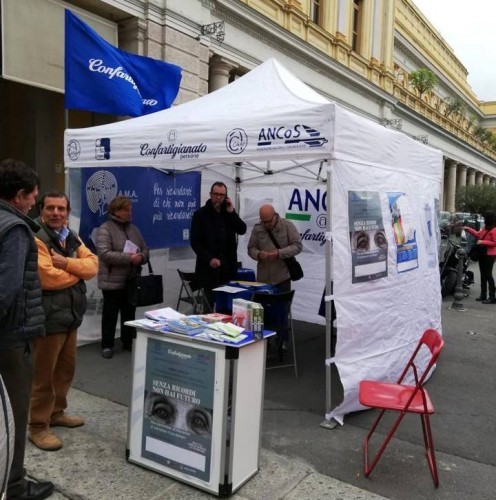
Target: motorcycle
(448,268)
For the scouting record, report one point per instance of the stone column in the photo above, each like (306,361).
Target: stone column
(219,72)
(478,178)
(493,182)
(450,185)
(486,179)
(471,177)
(461,176)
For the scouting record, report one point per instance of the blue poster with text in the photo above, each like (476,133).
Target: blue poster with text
(163,203)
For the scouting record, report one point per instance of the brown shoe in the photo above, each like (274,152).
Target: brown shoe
(45,440)
(64,420)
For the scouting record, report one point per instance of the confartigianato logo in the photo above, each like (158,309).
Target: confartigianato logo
(97,66)
(295,137)
(183,152)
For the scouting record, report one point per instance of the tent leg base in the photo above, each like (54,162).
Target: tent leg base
(329,424)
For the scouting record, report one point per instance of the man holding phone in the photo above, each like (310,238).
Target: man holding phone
(213,238)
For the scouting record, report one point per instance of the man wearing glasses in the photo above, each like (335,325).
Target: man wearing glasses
(213,238)
(271,267)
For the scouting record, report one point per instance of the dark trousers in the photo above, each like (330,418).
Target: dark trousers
(284,286)
(486,264)
(115,302)
(16,368)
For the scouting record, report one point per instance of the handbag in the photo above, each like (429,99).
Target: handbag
(477,252)
(294,267)
(145,290)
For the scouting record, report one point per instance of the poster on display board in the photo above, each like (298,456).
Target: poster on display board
(178,407)
(163,203)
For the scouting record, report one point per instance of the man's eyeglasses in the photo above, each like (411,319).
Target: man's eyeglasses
(220,195)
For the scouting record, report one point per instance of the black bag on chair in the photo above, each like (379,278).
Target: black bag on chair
(477,252)
(145,290)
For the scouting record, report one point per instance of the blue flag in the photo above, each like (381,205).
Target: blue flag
(104,79)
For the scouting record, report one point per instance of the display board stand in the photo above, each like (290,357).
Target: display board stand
(196,409)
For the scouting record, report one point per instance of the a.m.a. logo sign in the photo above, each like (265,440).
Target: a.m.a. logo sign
(307,209)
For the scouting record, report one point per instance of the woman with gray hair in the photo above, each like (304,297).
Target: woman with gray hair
(121,252)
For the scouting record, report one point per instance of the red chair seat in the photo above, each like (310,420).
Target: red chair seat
(393,397)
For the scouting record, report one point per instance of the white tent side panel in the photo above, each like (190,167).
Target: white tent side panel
(380,321)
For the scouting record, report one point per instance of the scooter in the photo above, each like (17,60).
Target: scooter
(448,268)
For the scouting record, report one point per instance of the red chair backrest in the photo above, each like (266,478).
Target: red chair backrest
(433,340)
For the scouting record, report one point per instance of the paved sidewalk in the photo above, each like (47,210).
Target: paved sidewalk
(92,465)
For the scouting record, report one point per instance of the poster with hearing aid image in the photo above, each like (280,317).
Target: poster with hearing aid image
(369,246)
(178,407)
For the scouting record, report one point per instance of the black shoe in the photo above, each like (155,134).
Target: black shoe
(127,347)
(35,491)
(107,353)
(490,300)
(480,299)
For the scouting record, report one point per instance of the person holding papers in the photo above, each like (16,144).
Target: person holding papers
(262,247)
(121,252)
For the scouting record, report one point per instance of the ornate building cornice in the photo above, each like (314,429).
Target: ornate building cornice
(263,29)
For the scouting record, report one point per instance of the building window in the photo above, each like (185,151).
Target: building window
(316,11)
(357,25)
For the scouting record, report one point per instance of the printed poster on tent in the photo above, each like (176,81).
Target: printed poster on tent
(404,232)
(369,246)
(178,407)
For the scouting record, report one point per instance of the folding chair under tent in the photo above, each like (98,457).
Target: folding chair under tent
(268,134)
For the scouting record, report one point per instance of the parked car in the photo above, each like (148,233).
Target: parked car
(444,219)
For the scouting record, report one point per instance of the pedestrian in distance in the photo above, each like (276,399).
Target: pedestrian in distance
(121,251)
(271,267)
(486,237)
(64,262)
(214,230)
(21,311)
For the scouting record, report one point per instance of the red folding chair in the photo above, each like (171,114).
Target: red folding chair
(404,399)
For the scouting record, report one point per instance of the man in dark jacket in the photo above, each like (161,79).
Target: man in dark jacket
(64,262)
(21,311)
(213,238)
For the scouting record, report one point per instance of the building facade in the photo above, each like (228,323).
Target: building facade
(359,53)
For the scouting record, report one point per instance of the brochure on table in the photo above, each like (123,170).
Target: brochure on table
(165,321)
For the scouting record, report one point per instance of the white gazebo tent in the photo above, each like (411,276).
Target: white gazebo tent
(267,131)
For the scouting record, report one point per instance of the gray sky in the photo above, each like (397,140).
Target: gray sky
(470,30)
